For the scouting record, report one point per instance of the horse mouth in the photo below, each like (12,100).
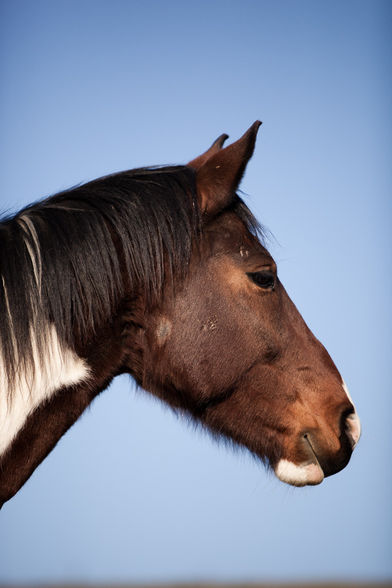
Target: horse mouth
(309,473)
(305,474)
(308,441)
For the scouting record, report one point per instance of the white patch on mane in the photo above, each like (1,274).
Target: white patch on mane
(60,367)
(35,254)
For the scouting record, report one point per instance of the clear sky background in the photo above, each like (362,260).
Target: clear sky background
(132,493)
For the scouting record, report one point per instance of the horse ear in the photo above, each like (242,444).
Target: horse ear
(215,147)
(219,171)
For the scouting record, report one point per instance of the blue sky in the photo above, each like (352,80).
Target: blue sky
(132,493)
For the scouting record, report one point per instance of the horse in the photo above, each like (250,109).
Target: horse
(162,273)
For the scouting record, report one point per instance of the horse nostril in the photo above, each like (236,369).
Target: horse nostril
(350,423)
(352,428)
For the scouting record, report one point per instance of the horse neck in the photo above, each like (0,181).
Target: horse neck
(40,432)
(42,403)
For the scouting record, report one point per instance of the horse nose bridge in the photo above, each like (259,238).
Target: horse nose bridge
(320,391)
(308,356)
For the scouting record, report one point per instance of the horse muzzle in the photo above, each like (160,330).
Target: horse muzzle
(321,460)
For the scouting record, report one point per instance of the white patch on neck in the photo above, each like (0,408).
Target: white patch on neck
(299,475)
(60,367)
(163,331)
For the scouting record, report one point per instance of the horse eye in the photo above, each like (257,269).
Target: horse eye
(265,279)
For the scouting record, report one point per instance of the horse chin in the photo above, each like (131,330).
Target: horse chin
(308,472)
(305,474)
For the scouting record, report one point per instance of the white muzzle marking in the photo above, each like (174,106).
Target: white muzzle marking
(306,474)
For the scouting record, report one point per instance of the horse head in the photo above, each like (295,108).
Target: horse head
(228,346)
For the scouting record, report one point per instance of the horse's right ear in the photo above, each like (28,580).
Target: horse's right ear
(219,171)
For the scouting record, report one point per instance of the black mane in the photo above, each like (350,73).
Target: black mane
(61,258)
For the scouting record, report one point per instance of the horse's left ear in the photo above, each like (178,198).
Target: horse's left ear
(219,171)
(215,147)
